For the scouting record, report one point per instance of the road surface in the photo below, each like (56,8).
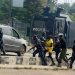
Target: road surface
(10,58)
(35,72)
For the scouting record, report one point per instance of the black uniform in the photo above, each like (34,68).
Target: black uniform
(39,50)
(57,49)
(1,41)
(63,51)
(73,56)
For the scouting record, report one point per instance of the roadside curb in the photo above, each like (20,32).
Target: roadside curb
(4,66)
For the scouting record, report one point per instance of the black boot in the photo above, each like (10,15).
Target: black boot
(4,52)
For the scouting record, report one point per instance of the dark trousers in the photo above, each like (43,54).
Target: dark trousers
(35,52)
(57,55)
(72,61)
(63,56)
(1,47)
(41,55)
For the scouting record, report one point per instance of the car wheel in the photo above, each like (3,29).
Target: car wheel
(22,51)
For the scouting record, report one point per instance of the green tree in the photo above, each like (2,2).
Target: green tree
(31,8)
(66,7)
(25,14)
(72,12)
(52,4)
(72,9)
(4,9)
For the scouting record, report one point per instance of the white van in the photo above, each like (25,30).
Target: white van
(12,41)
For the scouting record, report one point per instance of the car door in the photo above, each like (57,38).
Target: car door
(16,44)
(7,38)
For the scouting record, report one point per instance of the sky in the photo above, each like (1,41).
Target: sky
(67,1)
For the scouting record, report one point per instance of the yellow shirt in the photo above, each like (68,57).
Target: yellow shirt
(48,43)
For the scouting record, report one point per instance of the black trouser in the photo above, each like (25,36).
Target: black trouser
(63,56)
(41,55)
(1,47)
(57,55)
(72,61)
(35,52)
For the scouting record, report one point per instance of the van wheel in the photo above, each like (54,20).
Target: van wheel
(22,51)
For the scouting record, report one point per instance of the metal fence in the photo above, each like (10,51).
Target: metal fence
(22,28)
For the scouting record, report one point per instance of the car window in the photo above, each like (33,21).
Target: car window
(15,34)
(6,31)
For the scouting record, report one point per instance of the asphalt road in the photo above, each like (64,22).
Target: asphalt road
(35,72)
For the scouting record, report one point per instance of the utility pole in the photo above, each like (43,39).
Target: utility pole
(10,14)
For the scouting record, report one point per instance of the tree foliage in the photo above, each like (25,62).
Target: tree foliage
(72,9)
(66,7)
(31,8)
(52,4)
(25,14)
(4,9)
(69,9)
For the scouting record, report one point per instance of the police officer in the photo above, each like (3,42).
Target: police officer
(1,41)
(73,55)
(56,48)
(63,51)
(39,50)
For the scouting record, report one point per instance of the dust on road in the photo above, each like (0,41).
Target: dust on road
(35,72)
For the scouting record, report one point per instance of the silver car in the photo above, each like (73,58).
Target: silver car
(12,41)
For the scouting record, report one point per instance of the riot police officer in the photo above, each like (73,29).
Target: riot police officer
(39,49)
